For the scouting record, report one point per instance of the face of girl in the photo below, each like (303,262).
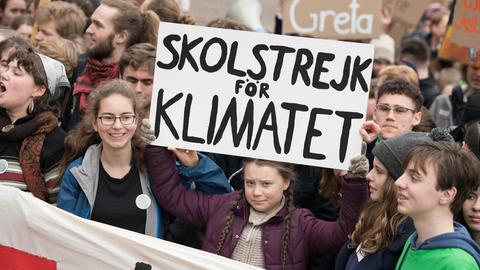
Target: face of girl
(17,89)
(376,180)
(471,211)
(264,187)
(116,122)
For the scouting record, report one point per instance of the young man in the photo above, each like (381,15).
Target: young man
(397,111)
(137,67)
(437,180)
(116,25)
(59,19)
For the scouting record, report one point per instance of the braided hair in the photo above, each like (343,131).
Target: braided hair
(287,172)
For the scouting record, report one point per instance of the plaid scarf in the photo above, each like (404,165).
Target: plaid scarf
(31,132)
(94,73)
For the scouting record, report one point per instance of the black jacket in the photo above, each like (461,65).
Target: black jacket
(385,258)
(429,90)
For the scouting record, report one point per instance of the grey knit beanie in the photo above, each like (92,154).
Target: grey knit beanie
(392,152)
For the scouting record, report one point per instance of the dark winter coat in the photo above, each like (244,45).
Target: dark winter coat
(307,234)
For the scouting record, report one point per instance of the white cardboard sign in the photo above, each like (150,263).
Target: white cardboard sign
(37,235)
(260,95)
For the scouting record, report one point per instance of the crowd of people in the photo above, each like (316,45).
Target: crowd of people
(76,79)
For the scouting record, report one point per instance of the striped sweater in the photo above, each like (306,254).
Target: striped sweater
(51,155)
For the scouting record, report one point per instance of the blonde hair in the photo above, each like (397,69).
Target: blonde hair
(61,49)
(398,71)
(70,21)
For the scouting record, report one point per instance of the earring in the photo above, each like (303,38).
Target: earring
(30,107)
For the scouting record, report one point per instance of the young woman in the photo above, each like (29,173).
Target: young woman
(257,225)
(30,151)
(471,207)
(381,232)
(7,47)
(104,177)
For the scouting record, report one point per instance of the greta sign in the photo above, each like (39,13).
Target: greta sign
(340,19)
(259,95)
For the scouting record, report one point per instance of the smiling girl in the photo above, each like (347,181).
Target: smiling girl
(104,176)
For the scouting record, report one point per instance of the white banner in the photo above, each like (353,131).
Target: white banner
(36,235)
(284,98)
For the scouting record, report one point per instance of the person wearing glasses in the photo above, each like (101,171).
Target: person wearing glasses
(103,174)
(397,111)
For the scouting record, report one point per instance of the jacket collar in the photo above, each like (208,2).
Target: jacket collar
(242,209)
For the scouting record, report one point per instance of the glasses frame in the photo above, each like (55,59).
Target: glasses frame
(394,109)
(134,117)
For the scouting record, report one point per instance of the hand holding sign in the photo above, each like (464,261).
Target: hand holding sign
(359,165)
(272,97)
(147,133)
(188,158)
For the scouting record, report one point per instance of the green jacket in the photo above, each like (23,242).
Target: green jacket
(445,252)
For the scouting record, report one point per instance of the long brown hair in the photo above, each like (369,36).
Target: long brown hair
(287,172)
(83,135)
(378,222)
(330,186)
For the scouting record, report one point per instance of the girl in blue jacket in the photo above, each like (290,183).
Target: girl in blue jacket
(104,177)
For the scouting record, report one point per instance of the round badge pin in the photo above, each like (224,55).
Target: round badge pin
(3,166)
(143,201)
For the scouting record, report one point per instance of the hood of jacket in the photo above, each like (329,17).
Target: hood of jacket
(460,238)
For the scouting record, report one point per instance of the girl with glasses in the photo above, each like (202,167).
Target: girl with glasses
(104,176)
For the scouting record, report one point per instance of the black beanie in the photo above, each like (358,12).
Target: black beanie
(392,152)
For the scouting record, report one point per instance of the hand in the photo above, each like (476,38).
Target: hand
(386,15)
(358,167)
(369,131)
(339,173)
(146,132)
(188,158)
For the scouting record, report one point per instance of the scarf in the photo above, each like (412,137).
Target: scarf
(94,73)
(31,131)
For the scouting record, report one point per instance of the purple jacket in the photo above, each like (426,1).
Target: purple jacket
(307,234)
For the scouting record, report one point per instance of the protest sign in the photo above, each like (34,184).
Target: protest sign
(267,96)
(456,52)
(341,19)
(37,235)
(410,11)
(465,26)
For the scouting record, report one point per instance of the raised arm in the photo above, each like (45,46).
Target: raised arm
(330,236)
(207,177)
(191,206)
